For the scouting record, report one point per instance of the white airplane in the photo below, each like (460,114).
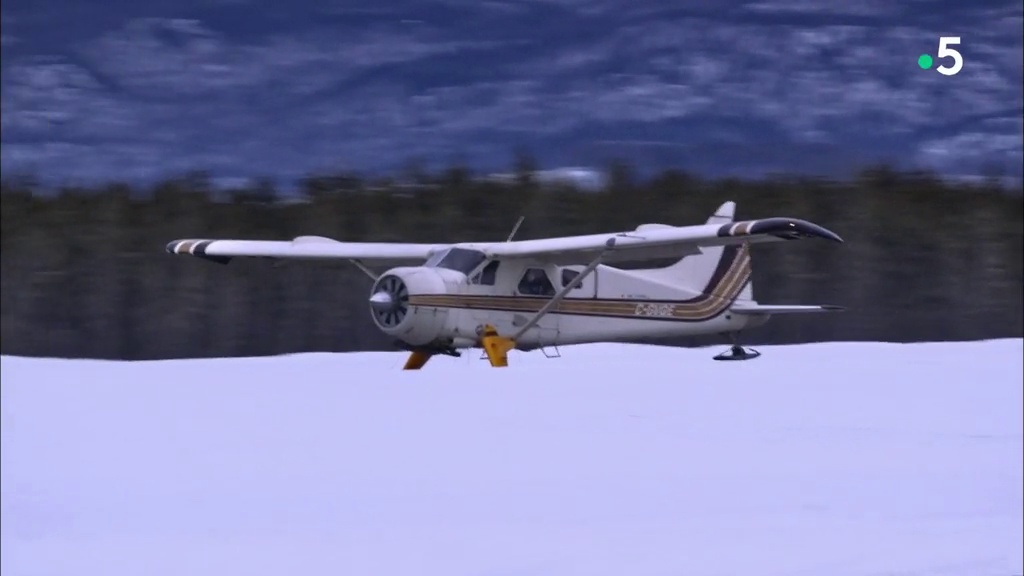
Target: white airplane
(533,294)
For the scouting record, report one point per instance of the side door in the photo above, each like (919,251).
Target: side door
(502,284)
(536,285)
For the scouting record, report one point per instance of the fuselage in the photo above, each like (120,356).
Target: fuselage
(446,303)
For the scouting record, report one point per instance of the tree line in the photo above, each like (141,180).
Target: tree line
(83,271)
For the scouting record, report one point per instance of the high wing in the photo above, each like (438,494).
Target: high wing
(656,242)
(647,243)
(307,247)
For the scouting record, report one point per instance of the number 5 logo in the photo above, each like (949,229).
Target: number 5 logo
(944,50)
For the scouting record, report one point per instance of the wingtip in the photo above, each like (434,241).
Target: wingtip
(788,228)
(194,247)
(830,235)
(181,246)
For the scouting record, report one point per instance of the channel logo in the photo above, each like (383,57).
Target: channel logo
(925,61)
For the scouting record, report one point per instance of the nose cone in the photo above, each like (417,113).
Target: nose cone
(382,301)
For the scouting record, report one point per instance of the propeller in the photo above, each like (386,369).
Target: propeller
(390,301)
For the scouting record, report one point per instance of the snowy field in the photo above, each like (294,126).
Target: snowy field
(829,459)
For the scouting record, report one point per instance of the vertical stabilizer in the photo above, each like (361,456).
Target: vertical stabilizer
(725,213)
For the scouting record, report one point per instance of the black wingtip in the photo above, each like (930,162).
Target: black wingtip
(792,228)
(785,228)
(195,248)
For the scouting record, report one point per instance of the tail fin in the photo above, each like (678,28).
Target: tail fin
(701,272)
(725,213)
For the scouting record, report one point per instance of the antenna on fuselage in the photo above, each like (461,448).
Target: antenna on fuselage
(515,228)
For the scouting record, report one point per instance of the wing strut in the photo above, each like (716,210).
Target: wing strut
(515,228)
(497,347)
(359,264)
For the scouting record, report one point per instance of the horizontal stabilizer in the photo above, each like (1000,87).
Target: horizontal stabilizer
(782,309)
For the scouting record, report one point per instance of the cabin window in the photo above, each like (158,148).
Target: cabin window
(535,282)
(569,276)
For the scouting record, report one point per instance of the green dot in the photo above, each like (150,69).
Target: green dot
(925,61)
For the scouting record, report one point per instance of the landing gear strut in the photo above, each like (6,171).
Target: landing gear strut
(420,355)
(737,352)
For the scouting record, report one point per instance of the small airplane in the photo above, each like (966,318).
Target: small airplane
(534,294)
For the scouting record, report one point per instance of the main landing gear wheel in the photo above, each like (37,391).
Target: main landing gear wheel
(738,352)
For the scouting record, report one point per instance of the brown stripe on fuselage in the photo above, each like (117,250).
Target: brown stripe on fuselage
(727,262)
(730,277)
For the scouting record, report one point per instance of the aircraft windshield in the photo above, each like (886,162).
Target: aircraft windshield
(458,259)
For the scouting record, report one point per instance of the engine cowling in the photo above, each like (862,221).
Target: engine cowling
(415,325)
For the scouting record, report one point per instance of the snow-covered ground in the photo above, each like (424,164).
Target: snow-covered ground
(828,459)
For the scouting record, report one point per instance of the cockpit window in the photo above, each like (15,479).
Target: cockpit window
(458,259)
(536,283)
(488,275)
